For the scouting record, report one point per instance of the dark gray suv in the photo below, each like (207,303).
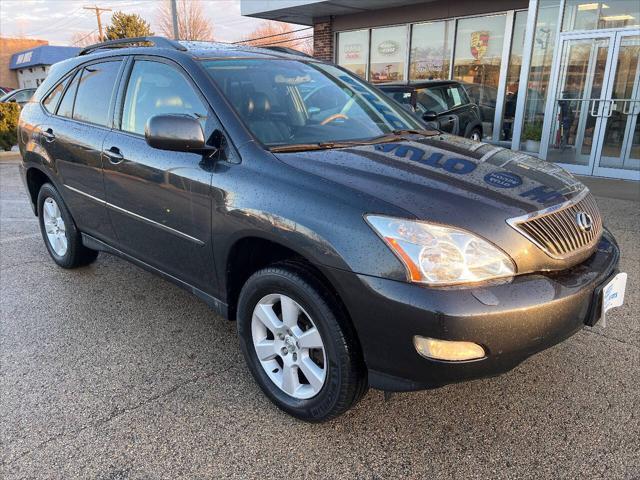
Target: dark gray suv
(352,247)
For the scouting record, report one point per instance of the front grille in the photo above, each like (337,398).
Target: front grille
(556,230)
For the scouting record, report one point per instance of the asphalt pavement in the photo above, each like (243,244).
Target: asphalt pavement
(109,372)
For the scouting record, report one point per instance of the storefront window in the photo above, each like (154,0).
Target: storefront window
(586,15)
(353,51)
(388,54)
(544,43)
(477,59)
(513,75)
(431,45)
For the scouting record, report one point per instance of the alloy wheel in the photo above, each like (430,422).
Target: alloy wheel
(289,346)
(54,226)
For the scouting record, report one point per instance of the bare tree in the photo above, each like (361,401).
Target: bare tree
(280,34)
(84,39)
(192,23)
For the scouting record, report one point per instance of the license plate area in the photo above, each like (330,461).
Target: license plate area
(608,295)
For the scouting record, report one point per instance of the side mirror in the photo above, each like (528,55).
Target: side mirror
(430,116)
(176,133)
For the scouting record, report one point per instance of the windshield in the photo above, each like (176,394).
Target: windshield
(290,102)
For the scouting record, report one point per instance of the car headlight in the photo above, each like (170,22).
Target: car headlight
(439,255)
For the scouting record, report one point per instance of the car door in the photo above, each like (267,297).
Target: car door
(460,109)
(73,135)
(159,201)
(433,99)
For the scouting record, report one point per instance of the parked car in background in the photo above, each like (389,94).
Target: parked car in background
(20,96)
(443,103)
(4,90)
(353,247)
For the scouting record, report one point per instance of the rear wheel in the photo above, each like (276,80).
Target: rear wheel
(299,347)
(59,231)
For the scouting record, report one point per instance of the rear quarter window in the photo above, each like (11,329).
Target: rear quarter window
(51,101)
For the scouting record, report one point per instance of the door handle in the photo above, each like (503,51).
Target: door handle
(114,155)
(48,135)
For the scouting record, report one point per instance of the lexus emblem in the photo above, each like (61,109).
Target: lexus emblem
(584,221)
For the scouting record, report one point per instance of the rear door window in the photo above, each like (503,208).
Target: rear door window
(94,92)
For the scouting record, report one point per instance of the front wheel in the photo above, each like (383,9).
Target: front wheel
(298,344)
(475,135)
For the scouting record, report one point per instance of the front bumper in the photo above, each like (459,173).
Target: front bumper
(512,320)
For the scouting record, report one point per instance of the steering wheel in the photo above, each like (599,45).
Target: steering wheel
(333,117)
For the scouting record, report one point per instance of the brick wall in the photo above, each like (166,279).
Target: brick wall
(323,40)
(9,46)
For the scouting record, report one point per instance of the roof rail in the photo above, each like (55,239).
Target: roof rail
(290,51)
(161,42)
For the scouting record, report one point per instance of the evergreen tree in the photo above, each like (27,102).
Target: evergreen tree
(124,25)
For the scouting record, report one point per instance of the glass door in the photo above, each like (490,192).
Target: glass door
(595,103)
(619,153)
(579,101)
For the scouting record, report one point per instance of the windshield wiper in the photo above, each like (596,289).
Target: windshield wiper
(341,144)
(426,133)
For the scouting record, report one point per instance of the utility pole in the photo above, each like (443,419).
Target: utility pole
(174,16)
(98,11)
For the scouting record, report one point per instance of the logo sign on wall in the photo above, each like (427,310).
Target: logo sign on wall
(388,47)
(353,51)
(479,44)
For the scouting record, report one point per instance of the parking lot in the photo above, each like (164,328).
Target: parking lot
(109,372)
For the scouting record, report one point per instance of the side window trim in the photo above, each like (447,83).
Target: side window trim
(75,75)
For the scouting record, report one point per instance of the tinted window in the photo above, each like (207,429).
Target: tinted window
(431,99)
(23,96)
(94,93)
(51,101)
(455,96)
(65,109)
(158,89)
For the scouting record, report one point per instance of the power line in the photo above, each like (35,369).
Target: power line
(98,11)
(82,38)
(271,36)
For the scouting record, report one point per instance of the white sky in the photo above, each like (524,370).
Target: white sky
(58,20)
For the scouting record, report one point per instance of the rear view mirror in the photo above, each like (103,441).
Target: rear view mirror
(176,133)
(430,116)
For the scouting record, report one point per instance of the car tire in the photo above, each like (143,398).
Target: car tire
(338,362)
(475,134)
(59,231)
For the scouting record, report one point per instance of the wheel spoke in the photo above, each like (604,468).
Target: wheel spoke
(310,339)
(268,317)
(49,228)
(313,373)
(62,227)
(290,382)
(265,350)
(290,311)
(50,209)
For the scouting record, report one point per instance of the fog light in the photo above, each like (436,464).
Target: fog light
(447,350)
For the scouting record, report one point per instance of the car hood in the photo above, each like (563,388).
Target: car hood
(446,179)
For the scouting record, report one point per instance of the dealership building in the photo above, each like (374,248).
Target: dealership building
(559,79)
